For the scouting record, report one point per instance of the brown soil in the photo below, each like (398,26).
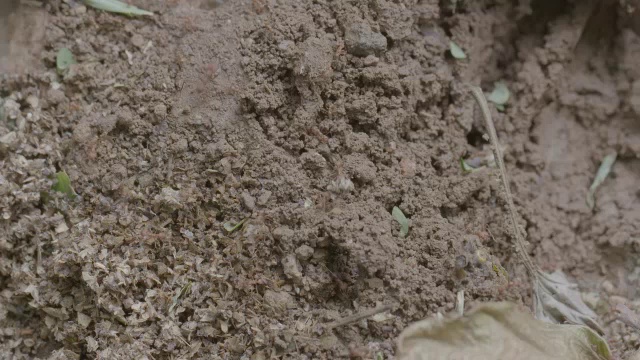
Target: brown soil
(310,120)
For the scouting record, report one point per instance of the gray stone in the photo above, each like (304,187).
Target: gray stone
(362,41)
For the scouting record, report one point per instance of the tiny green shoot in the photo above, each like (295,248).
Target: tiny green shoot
(500,95)
(64,59)
(231,227)
(400,218)
(119,7)
(456,51)
(601,175)
(63,184)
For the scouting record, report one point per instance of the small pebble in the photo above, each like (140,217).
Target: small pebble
(608,287)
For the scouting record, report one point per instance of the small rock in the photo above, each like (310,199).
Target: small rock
(329,342)
(138,41)
(55,96)
(312,160)
(283,233)
(248,201)
(9,140)
(291,268)
(362,41)
(304,252)
(371,60)
(375,283)
(591,299)
(279,299)
(608,287)
(160,111)
(615,300)
(264,197)
(33,101)
(169,198)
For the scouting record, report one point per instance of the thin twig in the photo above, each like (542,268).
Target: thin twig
(359,316)
(521,248)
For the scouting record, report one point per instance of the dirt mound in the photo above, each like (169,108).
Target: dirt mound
(236,164)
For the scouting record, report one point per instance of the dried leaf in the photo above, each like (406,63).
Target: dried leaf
(64,59)
(63,184)
(116,6)
(499,330)
(176,299)
(601,175)
(500,94)
(400,218)
(456,51)
(558,301)
(231,227)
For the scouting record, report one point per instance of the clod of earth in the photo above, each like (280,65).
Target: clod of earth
(362,41)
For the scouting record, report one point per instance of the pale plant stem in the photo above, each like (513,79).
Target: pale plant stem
(521,248)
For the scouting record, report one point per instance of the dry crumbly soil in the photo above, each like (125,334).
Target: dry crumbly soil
(307,122)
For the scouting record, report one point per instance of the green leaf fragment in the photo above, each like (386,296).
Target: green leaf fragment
(64,59)
(601,175)
(500,94)
(63,184)
(118,7)
(465,167)
(456,51)
(400,218)
(231,227)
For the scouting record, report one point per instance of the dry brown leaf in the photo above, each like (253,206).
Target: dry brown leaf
(499,331)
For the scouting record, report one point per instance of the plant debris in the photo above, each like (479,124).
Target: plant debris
(456,51)
(231,227)
(500,95)
(176,299)
(601,175)
(63,184)
(499,330)
(118,7)
(361,315)
(556,300)
(400,218)
(64,59)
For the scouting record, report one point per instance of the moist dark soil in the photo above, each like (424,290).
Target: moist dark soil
(236,164)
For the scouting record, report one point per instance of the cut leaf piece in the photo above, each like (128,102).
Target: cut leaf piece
(499,330)
(466,167)
(500,94)
(63,184)
(456,51)
(231,227)
(64,59)
(118,7)
(601,175)
(400,218)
